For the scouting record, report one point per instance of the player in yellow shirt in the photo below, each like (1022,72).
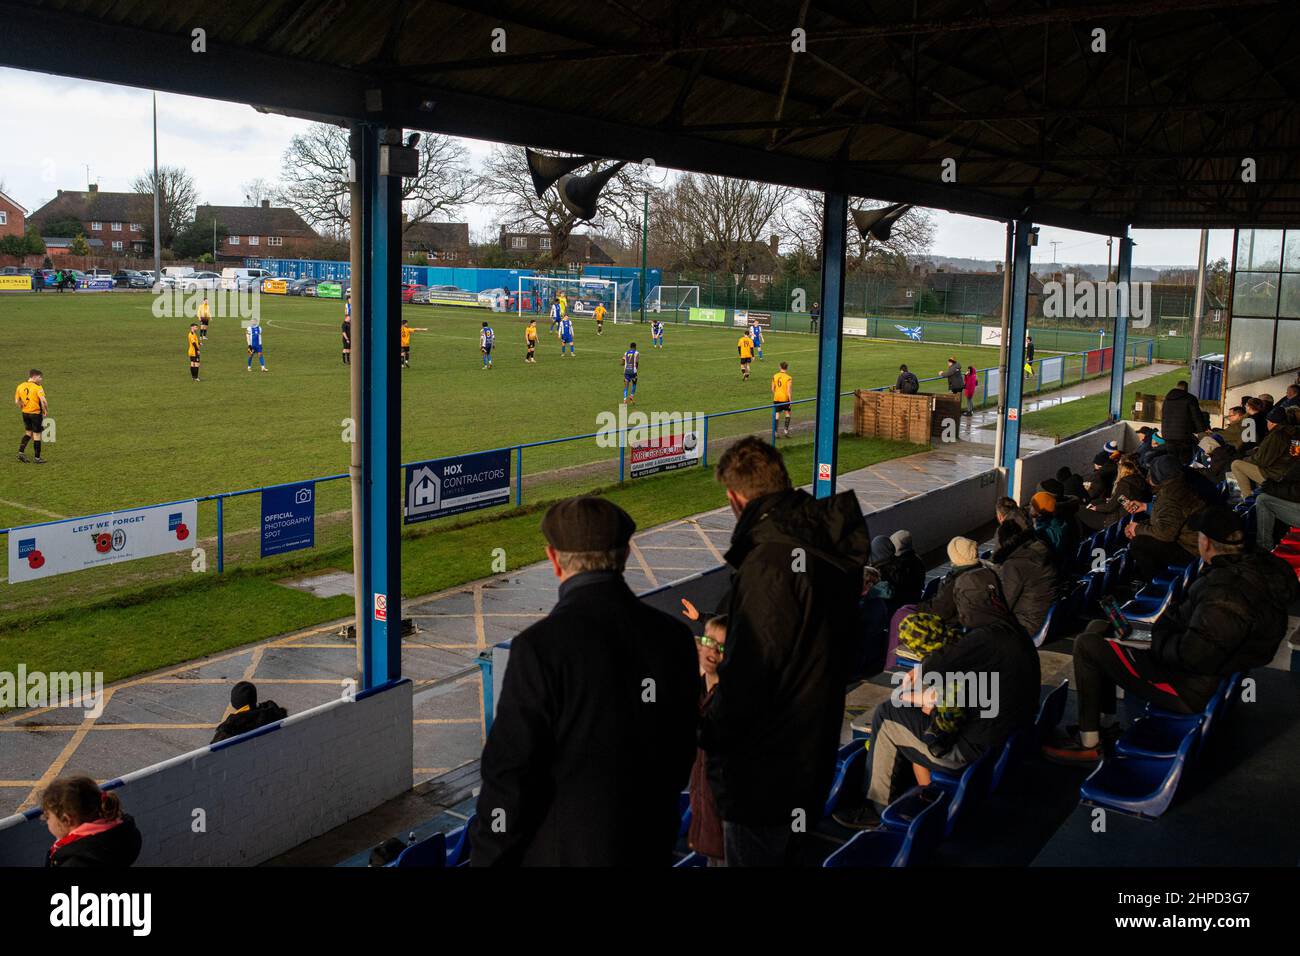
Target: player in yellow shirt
(746,349)
(192,350)
(564,304)
(30,399)
(600,318)
(205,316)
(530,338)
(782,392)
(406,342)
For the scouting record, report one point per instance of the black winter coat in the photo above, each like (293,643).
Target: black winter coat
(1028,576)
(581,768)
(1181,416)
(115,847)
(1131,487)
(1287,487)
(906,572)
(265,712)
(1233,618)
(773,727)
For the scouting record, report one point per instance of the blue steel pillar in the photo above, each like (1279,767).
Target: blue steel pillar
(1017,322)
(379,429)
(1121,326)
(835,216)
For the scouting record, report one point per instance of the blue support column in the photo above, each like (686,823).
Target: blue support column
(835,215)
(379,430)
(1017,322)
(1123,276)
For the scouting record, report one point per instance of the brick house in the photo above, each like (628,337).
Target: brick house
(13,217)
(116,219)
(533,246)
(265,231)
(438,241)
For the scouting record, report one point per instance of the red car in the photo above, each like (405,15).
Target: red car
(409,289)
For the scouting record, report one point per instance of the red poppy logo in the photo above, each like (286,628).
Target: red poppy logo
(182,531)
(103,543)
(35,560)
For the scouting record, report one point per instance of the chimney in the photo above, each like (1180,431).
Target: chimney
(998,270)
(774,242)
(266,204)
(94,187)
(60,193)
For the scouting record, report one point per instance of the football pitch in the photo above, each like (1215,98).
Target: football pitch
(132,428)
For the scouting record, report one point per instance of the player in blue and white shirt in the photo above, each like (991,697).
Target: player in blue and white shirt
(556,315)
(254,336)
(756,336)
(566,337)
(631,364)
(656,334)
(486,339)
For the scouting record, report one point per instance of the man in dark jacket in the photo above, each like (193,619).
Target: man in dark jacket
(249,714)
(1278,501)
(993,659)
(1167,537)
(1130,485)
(594,734)
(1271,459)
(906,570)
(1233,618)
(1180,419)
(1026,571)
(907,382)
(956,379)
(773,728)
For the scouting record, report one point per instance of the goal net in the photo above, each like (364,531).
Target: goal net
(672,298)
(536,294)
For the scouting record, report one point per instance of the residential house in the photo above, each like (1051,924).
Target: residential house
(441,242)
(532,246)
(13,217)
(262,232)
(116,220)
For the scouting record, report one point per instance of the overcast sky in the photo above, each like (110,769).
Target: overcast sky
(223,145)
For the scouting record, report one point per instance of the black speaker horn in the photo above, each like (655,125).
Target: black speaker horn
(877,223)
(545,170)
(581,194)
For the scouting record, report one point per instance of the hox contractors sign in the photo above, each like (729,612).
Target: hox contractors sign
(39,551)
(448,486)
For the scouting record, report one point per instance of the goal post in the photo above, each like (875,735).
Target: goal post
(581,292)
(672,298)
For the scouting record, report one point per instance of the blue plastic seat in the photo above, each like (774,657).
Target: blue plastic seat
(1143,786)
(1051,711)
(966,790)
(847,759)
(458,843)
(1147,607)
(684,808)
(690,860)
(429,852)
(1018,746)
(1159,733)
(890,846)
(1041,636)
(931,589)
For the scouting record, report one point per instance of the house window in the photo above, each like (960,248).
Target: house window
(135,227)
(4,218)
(254,240)
(275,240)
(117,245)
(116,226)
(518,242)
(233,240)
(96,226)
(545,243)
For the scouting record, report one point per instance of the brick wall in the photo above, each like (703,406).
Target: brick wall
(262,794)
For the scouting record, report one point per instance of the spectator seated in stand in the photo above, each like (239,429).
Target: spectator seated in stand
(1130,485)
(1223,445)
(963,556)
(88,825)
(1233,618)
(1060,536)
(1278,501)
(930,722)
(905,570)
(248,713)
(1071,483)
(1271,459)
(1104,467)
(1025,569)
(1166,537)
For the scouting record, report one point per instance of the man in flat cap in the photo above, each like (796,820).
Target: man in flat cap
(595,729)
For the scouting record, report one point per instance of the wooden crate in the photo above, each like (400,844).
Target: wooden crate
(945,407)
(893,416)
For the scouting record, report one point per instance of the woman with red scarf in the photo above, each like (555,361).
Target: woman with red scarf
(88,826)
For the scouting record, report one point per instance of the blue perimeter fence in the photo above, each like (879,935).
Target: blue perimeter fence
(1139,353)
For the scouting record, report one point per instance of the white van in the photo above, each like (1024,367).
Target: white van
(235,279)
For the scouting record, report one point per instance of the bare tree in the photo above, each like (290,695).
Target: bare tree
(715,223)
(255,190)
(912,235)
(508,186)
(177,197)
(314,179)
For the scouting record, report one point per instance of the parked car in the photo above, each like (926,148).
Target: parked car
(490,297)
(200,280)
(411,289)
(301,287)
(132,279)
(99,273)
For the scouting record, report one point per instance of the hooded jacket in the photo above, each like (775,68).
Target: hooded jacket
(242,721)
(1174,503)
(1233,619)
(1027,572)
(773,727)
(101,843)
(1181,416)
(956,380)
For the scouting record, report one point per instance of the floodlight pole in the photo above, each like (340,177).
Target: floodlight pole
(157,239)
(645,234)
